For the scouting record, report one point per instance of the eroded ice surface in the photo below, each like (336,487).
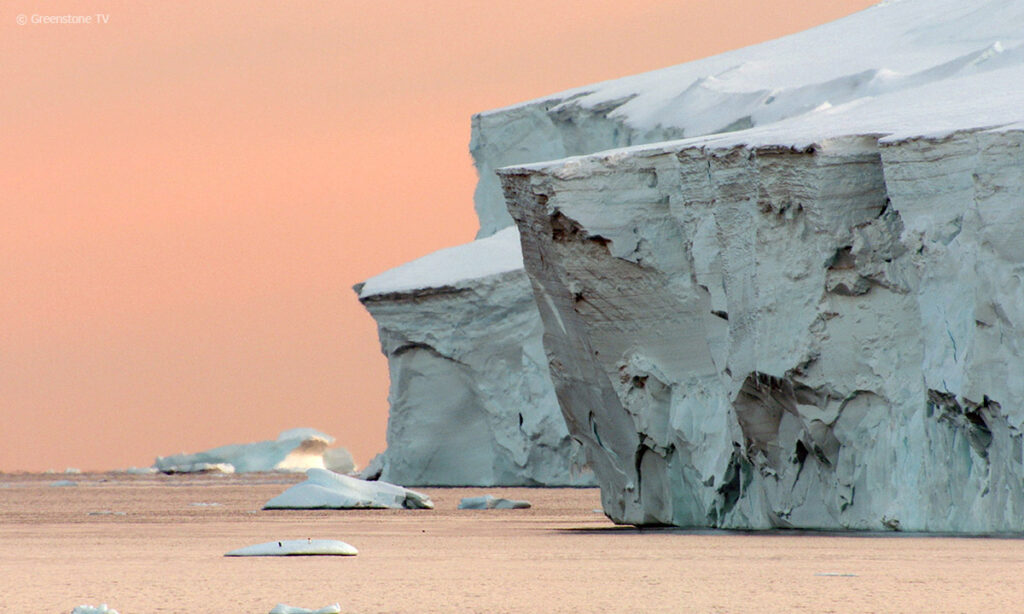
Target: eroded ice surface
(298,547)
(813,321)
(327,490)
(294,450)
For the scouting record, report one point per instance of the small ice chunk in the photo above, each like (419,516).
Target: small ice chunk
(72,470)
(490,502)
(64,483)
(139,470)
(298,547)
(836,574)
(204,504)
(328,490)
(93,609)
(290,609)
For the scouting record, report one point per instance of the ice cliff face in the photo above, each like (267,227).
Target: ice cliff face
(755,335)
(471,400)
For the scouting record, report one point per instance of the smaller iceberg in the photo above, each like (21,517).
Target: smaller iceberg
(298,547)
(328,490)
(489,502)
(293,450)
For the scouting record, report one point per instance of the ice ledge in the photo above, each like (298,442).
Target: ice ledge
(499,253)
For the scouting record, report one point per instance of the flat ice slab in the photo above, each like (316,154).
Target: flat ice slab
(298,547)
(290,609)
(490,502)
(93,609)
(328,490)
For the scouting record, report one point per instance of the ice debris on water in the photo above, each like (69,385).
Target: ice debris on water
(490,502)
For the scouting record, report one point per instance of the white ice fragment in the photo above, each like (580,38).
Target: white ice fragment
(298,547)
(62,483)
(93,609)
(139,470)
(328,490)
(835,574)
(490,502)
(290,609)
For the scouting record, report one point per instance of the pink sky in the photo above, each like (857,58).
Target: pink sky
(190,190)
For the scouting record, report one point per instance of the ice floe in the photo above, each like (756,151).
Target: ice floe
(328,490)
(298,547)
(490,502)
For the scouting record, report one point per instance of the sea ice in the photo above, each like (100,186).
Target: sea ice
(327,490)
(298,547)
(490,502)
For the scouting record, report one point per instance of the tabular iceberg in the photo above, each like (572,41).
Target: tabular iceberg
(813,322)
(471,399)
(293,450)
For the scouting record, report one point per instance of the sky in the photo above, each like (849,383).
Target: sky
(189,189)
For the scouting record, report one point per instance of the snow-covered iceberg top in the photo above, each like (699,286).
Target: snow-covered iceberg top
(499,253)
(298,547)
(327,490)
(891,47)
(293,450)
(984,101)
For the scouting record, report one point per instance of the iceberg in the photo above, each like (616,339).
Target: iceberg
(293,450)
(463,340)
(298,547)
(807,317)
(327,490)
